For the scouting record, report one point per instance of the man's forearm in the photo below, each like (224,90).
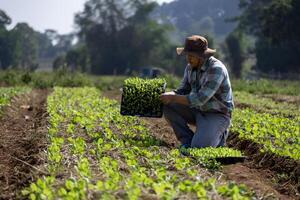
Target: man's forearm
(181,99)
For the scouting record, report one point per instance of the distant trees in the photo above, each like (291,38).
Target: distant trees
(120,35)
(5,41)
(18,46)
(275,25)
(199,16)
(236,49)
(25,52)
(24,48)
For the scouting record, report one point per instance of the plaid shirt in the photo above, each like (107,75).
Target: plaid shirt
(208,88)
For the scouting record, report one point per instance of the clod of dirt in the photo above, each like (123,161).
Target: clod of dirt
(27,107)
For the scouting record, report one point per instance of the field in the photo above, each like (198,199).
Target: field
(60,142)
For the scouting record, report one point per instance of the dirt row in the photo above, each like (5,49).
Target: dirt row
(23,129)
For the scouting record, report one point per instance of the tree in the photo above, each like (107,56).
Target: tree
(59,62)
(274,19)
(77,59)
(235,52)
(118,34)
(26,47)
(4,19)
(275,24)
(5,41)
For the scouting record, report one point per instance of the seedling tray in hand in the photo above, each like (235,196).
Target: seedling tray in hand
(141,97)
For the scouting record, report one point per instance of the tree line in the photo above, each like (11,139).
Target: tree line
(23,48)
(274,25)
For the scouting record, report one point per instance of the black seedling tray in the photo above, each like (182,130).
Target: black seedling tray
(230,160)
(145,113)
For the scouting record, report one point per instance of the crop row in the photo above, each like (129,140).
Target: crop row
(276,133)
(95,153)
(266,105)
(6,93)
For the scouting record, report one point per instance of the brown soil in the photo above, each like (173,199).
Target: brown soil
(284,171)
(284,98)
(23,128)
(258,179)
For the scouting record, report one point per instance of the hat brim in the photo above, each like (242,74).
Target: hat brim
(207,53)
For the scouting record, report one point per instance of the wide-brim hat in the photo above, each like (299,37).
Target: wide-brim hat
(196,45)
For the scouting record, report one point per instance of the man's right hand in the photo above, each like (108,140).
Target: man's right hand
(167,97)
(169,93)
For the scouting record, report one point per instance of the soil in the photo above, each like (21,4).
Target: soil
(259,180)
(23,128)
(284,98)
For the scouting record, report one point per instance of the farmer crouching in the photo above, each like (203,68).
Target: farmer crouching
(203,98)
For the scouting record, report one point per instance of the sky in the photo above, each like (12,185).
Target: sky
(46,14)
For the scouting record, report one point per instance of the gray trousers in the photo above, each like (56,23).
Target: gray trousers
(211,128)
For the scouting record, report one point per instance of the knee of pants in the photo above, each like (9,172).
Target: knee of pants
(202,144)
(205,142)
(168,111)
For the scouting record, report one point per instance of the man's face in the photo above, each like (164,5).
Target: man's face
(195,61)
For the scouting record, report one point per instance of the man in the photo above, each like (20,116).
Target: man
(204,98)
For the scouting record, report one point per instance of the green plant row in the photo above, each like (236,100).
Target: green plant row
(95,153)
(6,93)
(141,97)
(266,105)
(276,134)
(265,86)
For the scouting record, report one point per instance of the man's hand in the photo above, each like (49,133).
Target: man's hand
(167,97)
(171,97)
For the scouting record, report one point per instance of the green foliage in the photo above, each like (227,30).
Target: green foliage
(7,93)
(207,156)
(258,18)
(42,189)
(277,134)
(26,47)
(264,104)
(171,80)
(141,97)
(278,58)
(264,86)
(45,79)
(235,192)
(7,43)
(105,83)
(235,43)
(122,37)
(4,19)
(201,17)
(273,23)
(77,59)
(274,125)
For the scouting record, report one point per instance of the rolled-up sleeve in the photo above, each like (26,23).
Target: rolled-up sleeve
(184,87)
(215,77)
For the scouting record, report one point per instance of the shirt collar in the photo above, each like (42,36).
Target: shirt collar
(205,66)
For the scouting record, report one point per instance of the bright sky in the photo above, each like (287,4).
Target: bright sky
(45,14)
